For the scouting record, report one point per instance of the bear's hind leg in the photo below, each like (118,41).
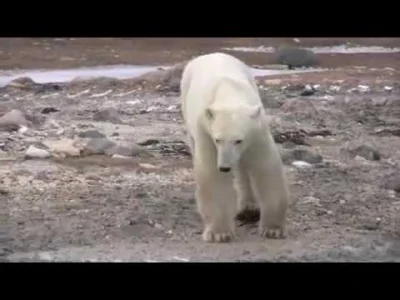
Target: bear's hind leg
(249,211)
(214,194)
(271,191)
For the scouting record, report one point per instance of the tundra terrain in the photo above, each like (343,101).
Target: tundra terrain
(97,169)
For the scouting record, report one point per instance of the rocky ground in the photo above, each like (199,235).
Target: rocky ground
(98,171)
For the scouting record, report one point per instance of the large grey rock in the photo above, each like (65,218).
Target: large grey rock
(22,83)
(295,57)
(393,183)
(94,134)
(98,146)
(12,120)
(33,152)
(63,148)
(366,151)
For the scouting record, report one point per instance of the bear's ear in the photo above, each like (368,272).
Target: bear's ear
(256,111)
(209,113)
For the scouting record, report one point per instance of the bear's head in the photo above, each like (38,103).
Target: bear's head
(233,130)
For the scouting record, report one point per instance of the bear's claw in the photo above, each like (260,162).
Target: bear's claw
(273,232)
(214,237)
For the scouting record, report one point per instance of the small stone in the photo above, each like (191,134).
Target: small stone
(3,191)
(93,177)
(22,82)
(366,152)
(128,150)
(272,81)
(48,110)
(300,154)
(42,175)
(388,88)
(41,145)
(120,156)
(46,256)
(107,115)
(148,166)
(363,88)
(379,101)
(33,152)
(3,154)
(95,134)
(149,142)
(23,129)
(301,164)
(342,202)
(371,226)
(98,146)
(311,199)
(393,183)
(9,127)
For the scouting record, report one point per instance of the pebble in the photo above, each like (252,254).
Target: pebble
(300,154)
(22,129)
(388,88)
(93,177)
(63,148)
(107,115)
(42,175)
(120,156)
(148,166)
(367,152)
(363,88)
(3,154)
(33,152)
(311,199)
(301,164)
(48,110)
(45,256)
(128,150)
(95,134)
(272,81)
(393,183)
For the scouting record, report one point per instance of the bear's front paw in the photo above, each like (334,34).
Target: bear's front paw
(213,236)
(273,232)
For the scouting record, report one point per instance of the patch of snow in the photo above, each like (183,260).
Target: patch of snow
(342,49)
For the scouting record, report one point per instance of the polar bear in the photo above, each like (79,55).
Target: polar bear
(232,148)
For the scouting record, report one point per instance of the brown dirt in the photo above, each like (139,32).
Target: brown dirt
(98,208)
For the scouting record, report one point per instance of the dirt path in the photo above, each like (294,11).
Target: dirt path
(97,208)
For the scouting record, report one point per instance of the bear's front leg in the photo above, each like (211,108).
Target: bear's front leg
(249,211)
(271,191)
(215,199)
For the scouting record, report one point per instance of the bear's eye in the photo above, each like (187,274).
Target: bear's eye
(238,141)
(218,141)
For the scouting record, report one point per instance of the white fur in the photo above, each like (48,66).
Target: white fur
(227,128)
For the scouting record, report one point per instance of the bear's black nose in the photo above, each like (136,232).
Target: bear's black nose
(224,169)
